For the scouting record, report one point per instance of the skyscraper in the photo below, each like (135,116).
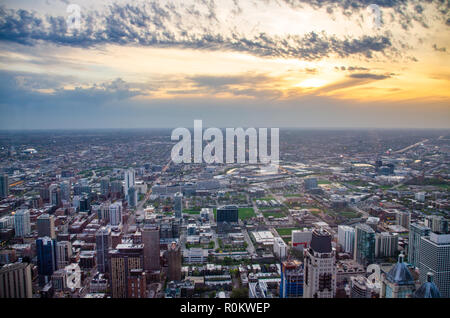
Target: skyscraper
(320,267)
(364,244)
(132,197)
(46,225)
(150,239)
(398,282)
(65,190)
(178,198)
(104,186)
(291,285)
(103,244)
(437,224)
(228,213)
(4,186)
(15,281)
(129,180)
(115,213)
(22,225)
(174,260)
(346,238)
(386,244)
(63,254)
(46,258)
(434,257)
(416,231)
(124,259)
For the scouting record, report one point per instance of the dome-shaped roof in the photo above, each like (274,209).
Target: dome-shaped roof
(400,274)
(428,289)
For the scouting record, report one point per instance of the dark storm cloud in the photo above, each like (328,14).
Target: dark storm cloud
(161,26)
(370,76)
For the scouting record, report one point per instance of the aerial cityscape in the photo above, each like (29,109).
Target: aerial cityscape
(345,194)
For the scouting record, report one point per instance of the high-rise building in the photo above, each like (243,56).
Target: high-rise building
(55,195)
(104,186)
(403,219)
(63,254)
(228,213)
(398,282)
(346,238)
(279,248)
(132,197)
(361,287)
(416,231)
(46,225)
(150,239)
(4,186)
(15,281)
(434,257)
(174,260)
(46,258)
(386,244)
(65,190)
(124,259)
(103,244)
(291,285)
(428,289)
(178,204)
(115,213)
(364,244)
(320,267)
(129,180)
(437,224)
(116,187)
(137,284)
(22,224)
(310,183)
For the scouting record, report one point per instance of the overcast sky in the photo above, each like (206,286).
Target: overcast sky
(265,63)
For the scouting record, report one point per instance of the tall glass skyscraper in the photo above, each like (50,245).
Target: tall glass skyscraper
(364,244)
(46,258)
(416,231)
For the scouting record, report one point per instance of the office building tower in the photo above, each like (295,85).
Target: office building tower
(115,213)
(63,254)
(55,195)
(46,225)
(361,287)
(228,213)
(320,267)
(132,197)
(437,224)
(398,282)
(364,244)
(22,224)
(291,285)
(46,259)
(310,183)
(65,190)
(434,257)
(428,289)
(103,244)
(125,258)
(150,239)
(300,239)
(420,196)
(403,219)
(346,238)
(116,187)
(4,186)
(416,231)
(279,248)
(178,204)
(174,262)
(104,186)
(137,284)
(15,281)
(129,180)
(386,244)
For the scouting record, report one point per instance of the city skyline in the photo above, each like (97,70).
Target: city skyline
(162,64)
